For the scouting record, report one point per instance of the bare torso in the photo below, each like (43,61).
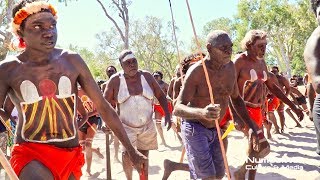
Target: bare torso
(283,83)
(44,95)
(312,58)
(251,77)
(222,87)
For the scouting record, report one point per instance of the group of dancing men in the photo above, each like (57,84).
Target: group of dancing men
(58,101)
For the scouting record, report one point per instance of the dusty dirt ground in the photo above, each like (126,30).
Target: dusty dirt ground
(292,156)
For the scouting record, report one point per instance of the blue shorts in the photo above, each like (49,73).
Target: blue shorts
(203,150)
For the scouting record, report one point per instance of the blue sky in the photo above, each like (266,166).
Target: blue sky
(81,20)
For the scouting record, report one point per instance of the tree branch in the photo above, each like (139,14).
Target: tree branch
(113,21)
(119,8)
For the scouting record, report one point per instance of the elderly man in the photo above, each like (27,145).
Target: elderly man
(252,77)
(133,90)
(194,106)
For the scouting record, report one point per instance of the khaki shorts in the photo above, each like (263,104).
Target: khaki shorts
(3,141)
(143,138)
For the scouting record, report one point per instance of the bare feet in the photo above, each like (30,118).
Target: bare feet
(97,151)
(276,132)
(269,135)
(116,160)
(88,173)
(167,169)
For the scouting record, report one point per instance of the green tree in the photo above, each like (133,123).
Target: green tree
(154,47)
(285,24)
(96,63)
(5,18)
(223,23)
(119,7)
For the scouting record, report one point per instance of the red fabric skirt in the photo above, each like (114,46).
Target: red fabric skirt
(158,108)
(62,162)
(227,117)
(273,104)
(256,115)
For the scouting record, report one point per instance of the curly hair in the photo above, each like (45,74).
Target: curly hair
(275,67)
(251,37)
(189,60)
(159,73)
(111,66)
(314,5)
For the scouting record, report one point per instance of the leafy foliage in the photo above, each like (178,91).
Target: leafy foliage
(97,63)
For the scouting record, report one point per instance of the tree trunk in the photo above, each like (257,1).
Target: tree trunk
(286,60)
(7,35)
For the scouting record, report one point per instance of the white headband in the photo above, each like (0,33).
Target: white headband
(128,56)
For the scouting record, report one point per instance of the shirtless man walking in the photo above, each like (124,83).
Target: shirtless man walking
(158,111)
(42,84)
(312,59)
(194,106)
(133,90)
(285,87)
(252,76)
(111,70)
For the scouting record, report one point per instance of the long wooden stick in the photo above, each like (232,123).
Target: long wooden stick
(210,93)
(182,154)
(108,164)
(180,69)
(176,40)
(6,165)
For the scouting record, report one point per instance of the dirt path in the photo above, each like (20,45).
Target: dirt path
(293,156)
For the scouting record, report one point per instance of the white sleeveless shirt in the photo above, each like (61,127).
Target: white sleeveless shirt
(135,110)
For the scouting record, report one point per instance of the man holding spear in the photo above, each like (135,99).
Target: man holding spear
(194,106)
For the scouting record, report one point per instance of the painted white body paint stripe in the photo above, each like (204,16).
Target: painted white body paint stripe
(29,92)
(64,87)
(30,95)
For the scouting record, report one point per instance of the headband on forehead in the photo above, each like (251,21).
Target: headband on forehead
(29,9)
(128,56)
